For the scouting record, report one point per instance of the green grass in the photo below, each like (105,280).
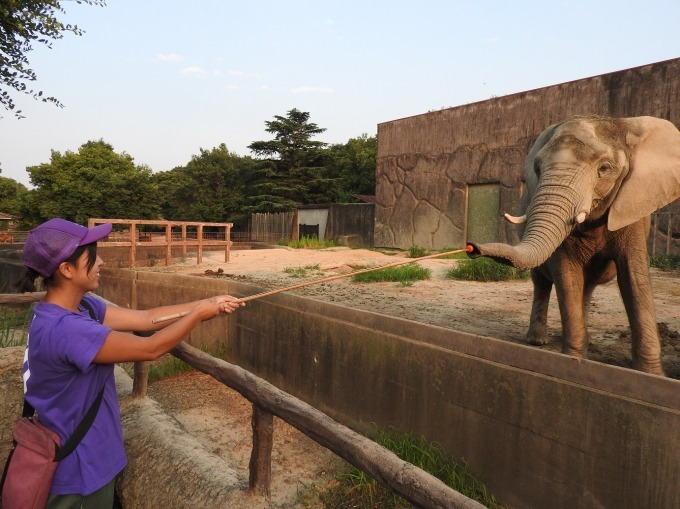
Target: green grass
(405,274)
(665,262)
(14,324)
(485,269)
(356,489)
(417,252)
(307,243)
(169,365)
(301,272)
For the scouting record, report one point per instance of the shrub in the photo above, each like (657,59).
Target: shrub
(665,262)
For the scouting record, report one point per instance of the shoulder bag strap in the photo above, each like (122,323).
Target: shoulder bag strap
(84,425)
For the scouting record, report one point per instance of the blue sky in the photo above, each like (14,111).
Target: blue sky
(160,80)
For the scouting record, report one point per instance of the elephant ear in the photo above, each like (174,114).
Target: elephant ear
(654,175)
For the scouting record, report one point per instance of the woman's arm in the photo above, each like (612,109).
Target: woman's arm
(126,347)
(132,320)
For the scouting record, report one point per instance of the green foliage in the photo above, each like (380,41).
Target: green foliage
(352,166)
(307,243)
(14,324)
(23,23)
(485,269)
(95,182)
(364,492)
(12,194)
(209,188)
(169,365)
(417,252)
(665,262)
(405,274)
(292,170)
(214,186)
(301,272)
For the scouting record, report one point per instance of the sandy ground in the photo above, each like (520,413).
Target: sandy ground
(221,418)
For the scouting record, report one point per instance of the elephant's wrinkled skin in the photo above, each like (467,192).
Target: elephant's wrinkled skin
(591,186)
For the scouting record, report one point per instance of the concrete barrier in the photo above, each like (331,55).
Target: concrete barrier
(538,428)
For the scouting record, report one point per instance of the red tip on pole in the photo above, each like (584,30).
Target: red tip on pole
(469,248)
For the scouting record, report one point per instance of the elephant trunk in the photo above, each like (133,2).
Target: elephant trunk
(551,217)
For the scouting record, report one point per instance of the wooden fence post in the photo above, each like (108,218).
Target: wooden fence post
(261,455)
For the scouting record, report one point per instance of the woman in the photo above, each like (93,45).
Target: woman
(70,357)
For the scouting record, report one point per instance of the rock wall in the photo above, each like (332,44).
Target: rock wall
(425,163)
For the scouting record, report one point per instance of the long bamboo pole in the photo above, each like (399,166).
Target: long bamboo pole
(322,280)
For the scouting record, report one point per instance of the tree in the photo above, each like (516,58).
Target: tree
(22,23)
(353,165)
(209,188)
(95,182)
(292,170)
(12,194)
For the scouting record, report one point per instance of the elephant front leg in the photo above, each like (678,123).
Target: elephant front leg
(570,296)
(538,322)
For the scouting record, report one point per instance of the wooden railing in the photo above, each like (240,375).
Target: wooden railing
(410,482)
(133,238)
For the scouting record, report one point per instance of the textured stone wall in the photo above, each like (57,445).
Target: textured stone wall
(426,162)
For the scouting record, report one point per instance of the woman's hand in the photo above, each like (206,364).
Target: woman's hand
(219,304)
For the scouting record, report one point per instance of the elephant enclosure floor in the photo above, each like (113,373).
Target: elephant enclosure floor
(499,310)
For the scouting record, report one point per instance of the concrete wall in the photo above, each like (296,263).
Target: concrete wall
(426,162)
(539,428)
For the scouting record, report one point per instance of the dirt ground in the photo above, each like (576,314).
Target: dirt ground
(221,417)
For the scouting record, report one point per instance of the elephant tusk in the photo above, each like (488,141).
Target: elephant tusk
(580,217)
(514,219)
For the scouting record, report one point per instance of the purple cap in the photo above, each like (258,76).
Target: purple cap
(55,241)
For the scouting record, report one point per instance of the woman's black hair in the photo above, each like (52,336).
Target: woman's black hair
(27,283)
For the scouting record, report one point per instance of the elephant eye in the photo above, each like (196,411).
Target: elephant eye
(537,168)
(604,169)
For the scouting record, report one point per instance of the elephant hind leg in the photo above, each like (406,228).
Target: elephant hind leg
(538,323)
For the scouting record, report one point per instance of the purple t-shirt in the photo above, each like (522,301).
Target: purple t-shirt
(61,382)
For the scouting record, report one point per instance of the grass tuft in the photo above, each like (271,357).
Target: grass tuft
(307,243)
(301,272)
(485,269)
(169,365)
(417,252)
(14,324)
(405,274)
(364,492)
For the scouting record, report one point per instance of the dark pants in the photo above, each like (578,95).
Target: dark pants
(100,499)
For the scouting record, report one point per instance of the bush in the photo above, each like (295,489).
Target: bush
(485,269)
(417,252)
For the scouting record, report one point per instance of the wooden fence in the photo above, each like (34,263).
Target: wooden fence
(273,226)
(173,233)
(413,484)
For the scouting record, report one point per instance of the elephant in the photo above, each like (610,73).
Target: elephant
(592,183)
